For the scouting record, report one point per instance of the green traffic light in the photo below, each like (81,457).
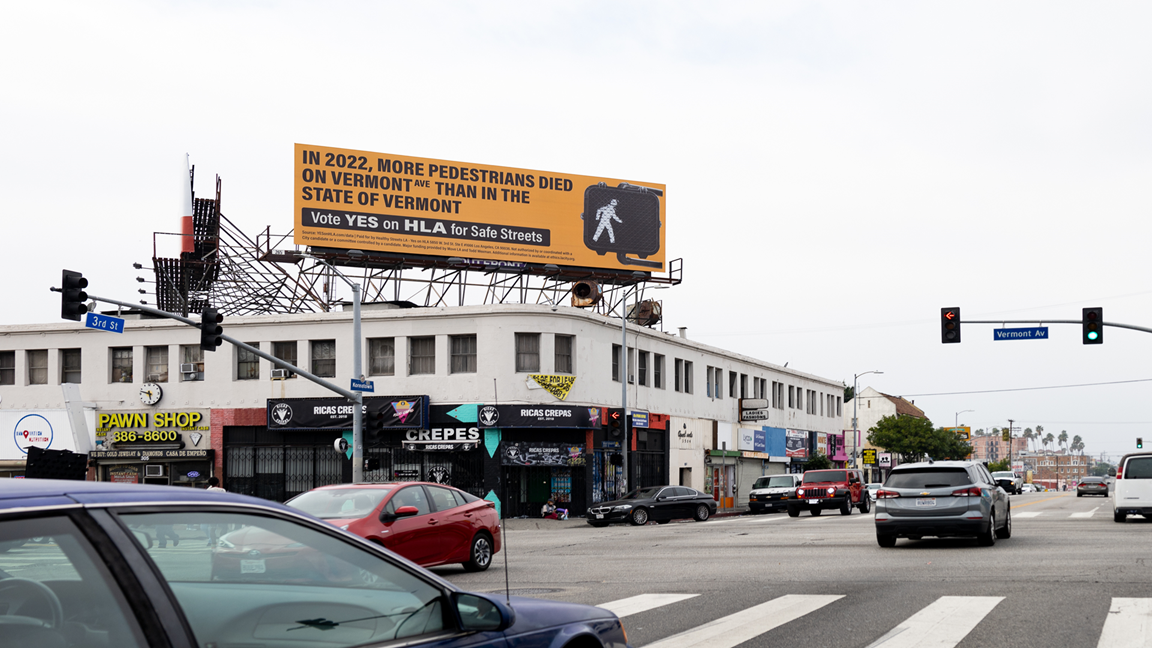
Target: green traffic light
(1093,335)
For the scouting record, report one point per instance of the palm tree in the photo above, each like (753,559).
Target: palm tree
(1077,443)
(1063,437)
(1048,439)
(1039,432)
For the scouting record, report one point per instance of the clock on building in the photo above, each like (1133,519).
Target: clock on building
(150,393)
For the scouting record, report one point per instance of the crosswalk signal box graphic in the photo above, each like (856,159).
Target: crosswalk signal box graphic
(623,220)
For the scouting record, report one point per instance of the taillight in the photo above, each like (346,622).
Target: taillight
(963,492)
(886,494)
(1120,472)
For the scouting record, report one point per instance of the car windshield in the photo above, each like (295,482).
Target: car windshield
(339,503)
(1138,468)
(643,493)
(928,478)
(815,476)
(776,481)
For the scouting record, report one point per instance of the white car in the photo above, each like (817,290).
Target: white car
(1027,488)
(872,488)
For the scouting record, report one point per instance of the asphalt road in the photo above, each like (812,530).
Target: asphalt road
(771,580)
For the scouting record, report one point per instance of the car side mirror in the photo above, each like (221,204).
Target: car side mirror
(1111,472)
(478,613)
(403,511)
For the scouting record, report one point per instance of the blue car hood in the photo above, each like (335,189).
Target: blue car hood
(534,614)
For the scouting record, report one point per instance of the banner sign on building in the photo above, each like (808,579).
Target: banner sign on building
(47,429)
(541,454)
(123,429)
(885,459)
(749,440)
(336,413)
(537,416)
(558,386)
(868,456)
(445,432)
(797,441)
(421,206)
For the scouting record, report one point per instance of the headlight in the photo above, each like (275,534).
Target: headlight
(622,507)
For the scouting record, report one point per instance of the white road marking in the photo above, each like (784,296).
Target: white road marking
(1028,514)
(943,624)
(643,603)
(752,622)
(1129,624)
(1086,514)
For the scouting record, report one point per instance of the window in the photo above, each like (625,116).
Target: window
(382,356)
(708,381)
(811,402)
(38,367)
(687,377)
(528,352)
(7,367)
(122,364)
(463,358)
(191,362)
(247,363)
(156,359)
(70,366)
(677,379)
(658,371)
(421,355)
(719,382)
(642,368)
(791,397)
(732,384)
(287,352)
(324,358)
(564,354)
(778,395)
(616,362)
(743,385)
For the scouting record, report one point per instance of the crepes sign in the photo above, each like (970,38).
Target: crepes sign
(402,412)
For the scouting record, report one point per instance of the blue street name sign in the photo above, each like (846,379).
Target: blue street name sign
(363,385)
(1034,333)
(104,322)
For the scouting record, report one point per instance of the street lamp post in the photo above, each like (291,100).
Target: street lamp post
(357,371)
(956,424)
(624,377)
(855,423)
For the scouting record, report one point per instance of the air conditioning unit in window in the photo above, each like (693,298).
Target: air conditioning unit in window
(281,374)
(187,368)
(154,470)
(631,380)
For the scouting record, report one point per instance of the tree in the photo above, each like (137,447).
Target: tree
(1077,444)
(997,466)
(849,394)
(913,438)
(1038,433)
(979,432)
(1063,437)
(1028,436)
(818,462)
(1048,439)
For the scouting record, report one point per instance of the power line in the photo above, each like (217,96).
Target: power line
(1017,389)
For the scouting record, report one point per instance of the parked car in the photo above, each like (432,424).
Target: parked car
(841,489)
(1132,491)
(101,579)
(1092,486)
(943,499)
(872,489)
(1027,488)
(1011,482)
(657,504)
(429,524)
(772,492)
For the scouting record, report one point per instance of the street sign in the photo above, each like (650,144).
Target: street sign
(363,385)
(639,419)
(868,456)
(1032,333)
(104,322)
(885,459)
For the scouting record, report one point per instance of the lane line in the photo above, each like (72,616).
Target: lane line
(643,603)
(750,623)
(1085,514)
(1028,514)
(943,624)
(1129,624)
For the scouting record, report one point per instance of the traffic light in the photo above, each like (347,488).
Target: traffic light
(949,325)
(72,295)
(1139,443)
(616,422)
(373,427)
(1092,325)
(210,329)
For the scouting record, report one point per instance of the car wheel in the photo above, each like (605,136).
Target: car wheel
(885,540)
(1006,531)
(639,517)
(988,538)
(702,513)
(846,507)
(866,505)
(1118,516)
(480,554)
(816,512)
(793,511)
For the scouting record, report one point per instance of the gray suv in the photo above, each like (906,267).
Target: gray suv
(943,499)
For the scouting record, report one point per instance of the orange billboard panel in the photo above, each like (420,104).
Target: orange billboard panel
(421,206)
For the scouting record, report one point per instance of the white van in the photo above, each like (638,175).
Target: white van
(1132,492)
(772,492)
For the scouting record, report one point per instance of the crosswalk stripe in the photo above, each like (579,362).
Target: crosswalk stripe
(1085,514)
(643,603)
(1129,624)
(752,622)
(1028,514)
(942,624)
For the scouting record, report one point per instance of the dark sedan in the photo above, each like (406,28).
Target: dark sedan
(656,504)
(1092,486)
(84,568)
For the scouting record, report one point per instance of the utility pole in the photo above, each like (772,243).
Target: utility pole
(1009,444)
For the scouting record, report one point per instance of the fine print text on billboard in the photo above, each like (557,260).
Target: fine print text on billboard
(421,206)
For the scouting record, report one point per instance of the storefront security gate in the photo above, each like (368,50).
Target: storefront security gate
(279,473)
(463,470)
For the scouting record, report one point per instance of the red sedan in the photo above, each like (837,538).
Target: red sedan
(429,524)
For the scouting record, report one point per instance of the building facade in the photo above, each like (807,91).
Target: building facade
(869,407)
(509,402)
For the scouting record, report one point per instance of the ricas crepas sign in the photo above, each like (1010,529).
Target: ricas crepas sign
(336,413)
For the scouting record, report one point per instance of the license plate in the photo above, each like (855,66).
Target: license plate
(599,516)
(813,501)
(925,501)
(251,566)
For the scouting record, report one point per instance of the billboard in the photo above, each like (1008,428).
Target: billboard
(426,207)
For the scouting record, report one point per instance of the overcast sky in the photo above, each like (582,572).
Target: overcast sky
(836,172)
